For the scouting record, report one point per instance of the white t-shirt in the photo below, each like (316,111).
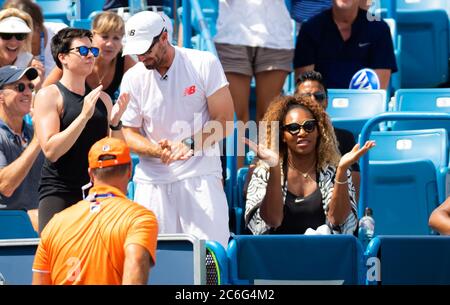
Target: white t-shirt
(255,23)
(52,29)
(164,107)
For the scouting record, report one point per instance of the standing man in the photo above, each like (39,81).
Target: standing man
(20,157)
(178,97)
(341,41)
(105,238)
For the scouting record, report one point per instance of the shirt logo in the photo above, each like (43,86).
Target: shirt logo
(131,32)
(362,45)
(189,90)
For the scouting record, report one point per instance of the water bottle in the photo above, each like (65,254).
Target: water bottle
(366,227)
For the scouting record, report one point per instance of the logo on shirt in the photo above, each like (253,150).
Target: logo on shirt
(189,90)
(131,32)
(362,45)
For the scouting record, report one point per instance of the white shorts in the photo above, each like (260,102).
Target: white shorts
(196,206)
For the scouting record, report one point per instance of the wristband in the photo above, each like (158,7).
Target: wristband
(339,182)
(117,127)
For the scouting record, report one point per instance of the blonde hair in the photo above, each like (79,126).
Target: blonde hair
(13,12)
(107,22)
(327,152)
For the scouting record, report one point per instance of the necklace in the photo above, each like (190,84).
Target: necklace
(304,174)
(111,66)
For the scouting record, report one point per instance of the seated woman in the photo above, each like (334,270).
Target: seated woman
(301,181)
(108,29)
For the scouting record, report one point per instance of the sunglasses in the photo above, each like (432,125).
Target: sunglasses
(8,36)
(20,87)
(294,128)
(319,96)
(84,51)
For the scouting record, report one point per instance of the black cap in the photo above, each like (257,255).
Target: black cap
(11,74)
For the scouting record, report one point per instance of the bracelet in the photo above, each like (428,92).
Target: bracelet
(339,182)
(117,127)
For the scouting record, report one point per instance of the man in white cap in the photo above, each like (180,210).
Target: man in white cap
(20,157)
(177,97)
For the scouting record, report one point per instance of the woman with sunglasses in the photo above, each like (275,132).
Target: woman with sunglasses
(301,181)
(69,119)
(108,29)
(15,42)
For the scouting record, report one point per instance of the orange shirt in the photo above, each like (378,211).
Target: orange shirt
(85,243)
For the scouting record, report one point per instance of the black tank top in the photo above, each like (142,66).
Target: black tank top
(301,213)
(113,88)
(70,172)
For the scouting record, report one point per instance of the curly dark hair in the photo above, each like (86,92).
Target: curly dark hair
(327,150)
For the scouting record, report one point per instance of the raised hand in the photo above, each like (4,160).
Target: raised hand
(39,66)
(265,154)
(119,108)
(89,102)
(353,156)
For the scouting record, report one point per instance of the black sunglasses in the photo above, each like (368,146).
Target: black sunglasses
(294,128)
(8,36)
(319,96)
(20,87)
(84,51)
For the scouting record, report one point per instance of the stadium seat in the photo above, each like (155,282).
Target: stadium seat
(408,260)
(424,100)
(238,205)
(425,43)
(407,181)
(404,178)
(350,109)
(57,10)
(295,259)
(15,224)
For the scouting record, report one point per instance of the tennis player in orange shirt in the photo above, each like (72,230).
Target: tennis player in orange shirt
(105,238)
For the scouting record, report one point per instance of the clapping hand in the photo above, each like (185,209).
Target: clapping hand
(119,108)
(265,154)
(174,151)
(353,156)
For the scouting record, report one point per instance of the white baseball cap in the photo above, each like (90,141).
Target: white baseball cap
(140,30)
(14,25)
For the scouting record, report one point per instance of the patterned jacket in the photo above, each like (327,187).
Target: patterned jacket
(257,190)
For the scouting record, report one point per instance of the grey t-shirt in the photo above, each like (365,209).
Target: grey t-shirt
(26,196)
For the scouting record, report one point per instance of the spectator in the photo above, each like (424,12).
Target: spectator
(42,32)
(104,239)
(254,39)
(440,218)
(169,89)
(15,42)
(108,29)
(311,84)
(69,120)
(20,157)
(340,41)
(310,169)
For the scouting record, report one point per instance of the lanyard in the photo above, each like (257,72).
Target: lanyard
(42,53)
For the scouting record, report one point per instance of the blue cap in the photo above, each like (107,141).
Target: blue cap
(11,74)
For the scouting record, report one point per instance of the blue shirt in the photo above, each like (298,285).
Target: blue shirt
(320,43)
(26,196)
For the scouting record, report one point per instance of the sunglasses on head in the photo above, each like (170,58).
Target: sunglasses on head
(20,87)
(319,96)
(8,36)
(84,51)
(294,128)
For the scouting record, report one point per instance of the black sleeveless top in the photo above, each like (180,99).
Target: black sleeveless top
(301,213)
(113,88)
(70,172)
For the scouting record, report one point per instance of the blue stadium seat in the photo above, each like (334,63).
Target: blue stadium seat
(424,100)
(421,5)
(131,187)
(350,109)
(15,224)
(295,259)
(425,43)
(408,260)
(238,204)
(407,180)
(404,178)
(61,10)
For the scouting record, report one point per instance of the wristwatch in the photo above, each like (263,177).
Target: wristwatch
(189,142)
(117,127)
